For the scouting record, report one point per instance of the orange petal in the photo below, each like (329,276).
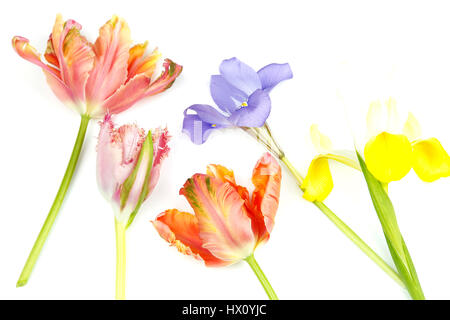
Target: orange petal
(127,95)
(225,227)
(76,59)
(267,181)
(26,51)
(138,63)
(181,230)
(166,79)
(111,61)
(220,172)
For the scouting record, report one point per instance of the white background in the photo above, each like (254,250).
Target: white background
(336,49)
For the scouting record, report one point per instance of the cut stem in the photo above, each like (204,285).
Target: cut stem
(43,234)
(261,277)
(120,259)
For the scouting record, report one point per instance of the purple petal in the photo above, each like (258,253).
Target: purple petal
(209,114)
(240,75)
(196,129)
(273,74)
(255,113)
(226,96)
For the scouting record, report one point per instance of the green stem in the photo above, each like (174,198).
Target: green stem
(120,259)
(261,277)
(346,229)
(43,234)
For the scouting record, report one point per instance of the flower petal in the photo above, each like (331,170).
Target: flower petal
(273,74)
(431,161)
(127,95)
(267,180)
(76,59)
(117,153)
(412,128)
(181,230)
(166,79)
(160,152)
(225,227)
(26,51)
(255,113)
(226,96)
(197,129)
(318,182)
(320,141)
(388,156)
(111,61)
(240,75)
(220,172)
(142,64)
(209,114)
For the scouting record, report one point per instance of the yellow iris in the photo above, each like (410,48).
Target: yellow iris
(318,182)
(389,157)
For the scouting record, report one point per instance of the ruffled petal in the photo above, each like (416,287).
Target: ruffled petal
(273,74)
(138,63)
(197,129)
(265,198)
(111,61)
(224,225)
(26,51)
(181,230)
(318,182)
(255,113)
(431,161)
(226,96)
(75,56)
(161,150)
(388,156)
(127,95)
(240,75)
(166,79)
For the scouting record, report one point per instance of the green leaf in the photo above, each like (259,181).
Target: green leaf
(386,214)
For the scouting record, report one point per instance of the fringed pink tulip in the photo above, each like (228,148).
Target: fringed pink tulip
(95,79)
(128,165)
(228,224)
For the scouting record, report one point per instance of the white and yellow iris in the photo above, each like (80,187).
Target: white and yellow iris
(392,150)
(318,182)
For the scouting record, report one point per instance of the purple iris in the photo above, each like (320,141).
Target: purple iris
(242,95)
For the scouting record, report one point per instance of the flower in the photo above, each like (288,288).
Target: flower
(318,182)
(228,225)
(128,165)
(391,152)
(108,76)
(242,95)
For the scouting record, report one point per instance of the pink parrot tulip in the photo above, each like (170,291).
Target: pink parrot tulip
(228,224)
(95,79)
(128,165)
(107,76)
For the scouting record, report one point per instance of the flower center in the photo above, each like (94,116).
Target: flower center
(244,104)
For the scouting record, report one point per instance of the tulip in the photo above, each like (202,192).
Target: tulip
(108,76)
(227,225)
(242,95)
(128,166)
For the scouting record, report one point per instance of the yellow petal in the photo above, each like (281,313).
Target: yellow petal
(318,182)
(321,142)
(412,128)
(388,156)
(431,161)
